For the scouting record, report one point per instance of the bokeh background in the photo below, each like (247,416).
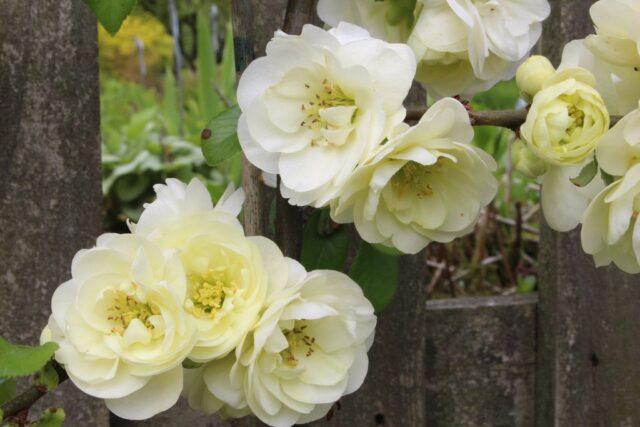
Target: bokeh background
(170,70)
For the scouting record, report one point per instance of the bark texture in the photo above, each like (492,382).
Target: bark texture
(50,197)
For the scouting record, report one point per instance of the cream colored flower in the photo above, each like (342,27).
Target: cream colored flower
(619,149)
(611,226)
(368,14)
(563,203)
(121,327)
(566,119)
(308,350)
(467,46)
(612,54)
(426,184)
(317,104)
(610,230)
(228,274)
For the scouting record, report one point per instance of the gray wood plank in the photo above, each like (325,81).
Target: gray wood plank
(588,345)
(50,196)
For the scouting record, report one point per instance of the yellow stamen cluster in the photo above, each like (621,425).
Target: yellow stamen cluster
(209,291)
(415,177)
(329,96)
(297,338)
(124,308)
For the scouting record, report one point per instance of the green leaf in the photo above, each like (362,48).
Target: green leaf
(7,389)
(526,285)
(190,364)
(22,360)
(586,175)
(111,13)
(223,142)
(207,97)
(608,179)
(228,66)
(48,377)
(52,417)
(324,243)
(170,110)
(377,275)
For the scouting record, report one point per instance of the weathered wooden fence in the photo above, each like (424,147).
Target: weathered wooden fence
(569,356)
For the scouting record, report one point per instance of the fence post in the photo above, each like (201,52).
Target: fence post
(588,372)
(50,198)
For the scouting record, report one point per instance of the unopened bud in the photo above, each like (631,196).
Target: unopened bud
(532,74)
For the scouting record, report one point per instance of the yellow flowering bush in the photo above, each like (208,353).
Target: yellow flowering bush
(118,55)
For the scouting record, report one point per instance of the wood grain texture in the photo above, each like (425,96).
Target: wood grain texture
(588,345)
(50,195)
(480,361)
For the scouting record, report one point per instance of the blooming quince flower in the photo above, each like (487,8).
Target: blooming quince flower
(612,54)
(619,149)
(120,325)
(228,274)
(308,350)
(566,119)
(318,104)
(427,183)
(611,226)
(563,203)
(466,46)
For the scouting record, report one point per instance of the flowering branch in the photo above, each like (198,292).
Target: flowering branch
(31,395)
(510,119)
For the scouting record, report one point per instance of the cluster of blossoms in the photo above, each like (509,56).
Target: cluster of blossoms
(187,288)
(567,132)
(462,46)
(323,110)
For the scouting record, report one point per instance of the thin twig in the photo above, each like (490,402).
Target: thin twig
(510,119)
(31,395)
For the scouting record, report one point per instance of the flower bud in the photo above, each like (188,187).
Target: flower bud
(525,161)
(532,74)
(566,119)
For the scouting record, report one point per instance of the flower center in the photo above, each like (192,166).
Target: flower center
(207,292)
(124,308)
(299,343)
(416,178)
(326,96)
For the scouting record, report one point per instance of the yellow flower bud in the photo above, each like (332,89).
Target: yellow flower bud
(566,119)
(532,74)
(525,161)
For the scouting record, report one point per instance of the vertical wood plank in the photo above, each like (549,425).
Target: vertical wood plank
(588,346)
(50,192)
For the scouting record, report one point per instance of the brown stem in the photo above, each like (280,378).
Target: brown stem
(31,395)
(510,119)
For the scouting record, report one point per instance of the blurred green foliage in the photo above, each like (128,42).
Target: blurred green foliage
(152,133)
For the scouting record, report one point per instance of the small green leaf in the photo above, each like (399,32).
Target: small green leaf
(52,417)
(608,179)
(22,360)
(324,243)
(377,275)
(223,141)
(387,250)
(48,377)
(586,175)
(190,364)
(111,13)
(526,285)
(7,389)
